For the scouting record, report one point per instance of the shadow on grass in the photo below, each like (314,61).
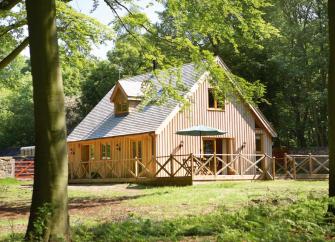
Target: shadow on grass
(17,209)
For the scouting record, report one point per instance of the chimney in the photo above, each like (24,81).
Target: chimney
(154,65)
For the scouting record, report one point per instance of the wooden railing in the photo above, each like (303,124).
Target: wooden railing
(163,166)
(244,166)
(302,166)
(233,164)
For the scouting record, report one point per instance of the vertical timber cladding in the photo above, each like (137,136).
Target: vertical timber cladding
(237,119)
(120,151)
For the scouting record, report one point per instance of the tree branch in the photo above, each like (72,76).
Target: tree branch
(11,56)
(13,26)
(8,4)
(142,25)
(123,24)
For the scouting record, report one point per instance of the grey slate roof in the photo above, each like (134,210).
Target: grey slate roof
(132,88)
(101,121)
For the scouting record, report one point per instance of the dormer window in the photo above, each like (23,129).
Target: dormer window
(121,108)
(126,97)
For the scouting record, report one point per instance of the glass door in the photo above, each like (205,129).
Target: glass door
(136,152)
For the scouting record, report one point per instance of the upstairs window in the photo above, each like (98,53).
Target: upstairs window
(212,102)
(121,108)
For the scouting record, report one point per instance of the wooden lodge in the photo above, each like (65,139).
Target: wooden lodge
(120,142)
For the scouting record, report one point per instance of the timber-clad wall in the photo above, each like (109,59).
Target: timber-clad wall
(236,119)
(120,152)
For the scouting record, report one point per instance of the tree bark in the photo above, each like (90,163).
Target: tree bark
(49,220)
(331,101)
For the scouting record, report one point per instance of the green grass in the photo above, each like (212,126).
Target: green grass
(11,181)
(225,211)
(302,220)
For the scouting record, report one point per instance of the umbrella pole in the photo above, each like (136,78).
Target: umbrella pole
(200,143)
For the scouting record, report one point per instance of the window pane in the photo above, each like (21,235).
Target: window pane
(258,143)
(91,152)
(208,146)
(211,100)
(103,151)
(139,151)
(108,148)
(133,145)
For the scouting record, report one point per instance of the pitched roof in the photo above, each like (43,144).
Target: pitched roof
(101,121)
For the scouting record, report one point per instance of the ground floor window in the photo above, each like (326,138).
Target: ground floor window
(259,143)
(105,151)
(91,152)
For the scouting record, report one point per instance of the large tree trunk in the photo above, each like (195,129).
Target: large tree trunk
(49,218)
(331,101)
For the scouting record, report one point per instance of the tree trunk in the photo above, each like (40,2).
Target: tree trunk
(331,101)
(49,220)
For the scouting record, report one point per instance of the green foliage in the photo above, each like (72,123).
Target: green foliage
(16,126)
(98,82)
(77,34)
(297,70)
(220,22)
(43,215)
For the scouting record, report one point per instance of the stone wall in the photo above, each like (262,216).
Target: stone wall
(7,167)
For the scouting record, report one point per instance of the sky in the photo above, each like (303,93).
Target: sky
(105,15)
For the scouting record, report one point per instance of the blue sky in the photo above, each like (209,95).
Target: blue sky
(105,15)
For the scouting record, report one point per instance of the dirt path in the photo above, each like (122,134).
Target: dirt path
(79,205)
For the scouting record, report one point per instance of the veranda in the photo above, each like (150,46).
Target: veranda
(186,168)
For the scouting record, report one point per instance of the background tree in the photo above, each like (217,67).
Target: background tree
(17,126)
(331,101)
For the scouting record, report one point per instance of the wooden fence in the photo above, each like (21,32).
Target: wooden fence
(302,166)
(24,168)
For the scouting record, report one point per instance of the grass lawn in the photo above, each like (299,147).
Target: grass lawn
(224,211)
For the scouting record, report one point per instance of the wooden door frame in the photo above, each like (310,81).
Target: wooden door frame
(262,143)
(230,143)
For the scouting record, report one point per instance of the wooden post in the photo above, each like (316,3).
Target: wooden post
(192,166)
(105,169)
(89,168)
(136,167)
(70,170)
(239,164)
(171,165)
(294,169)
(285,164)
(263,167)
(154,161)
(310,164)
(273,167)
(215,164)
